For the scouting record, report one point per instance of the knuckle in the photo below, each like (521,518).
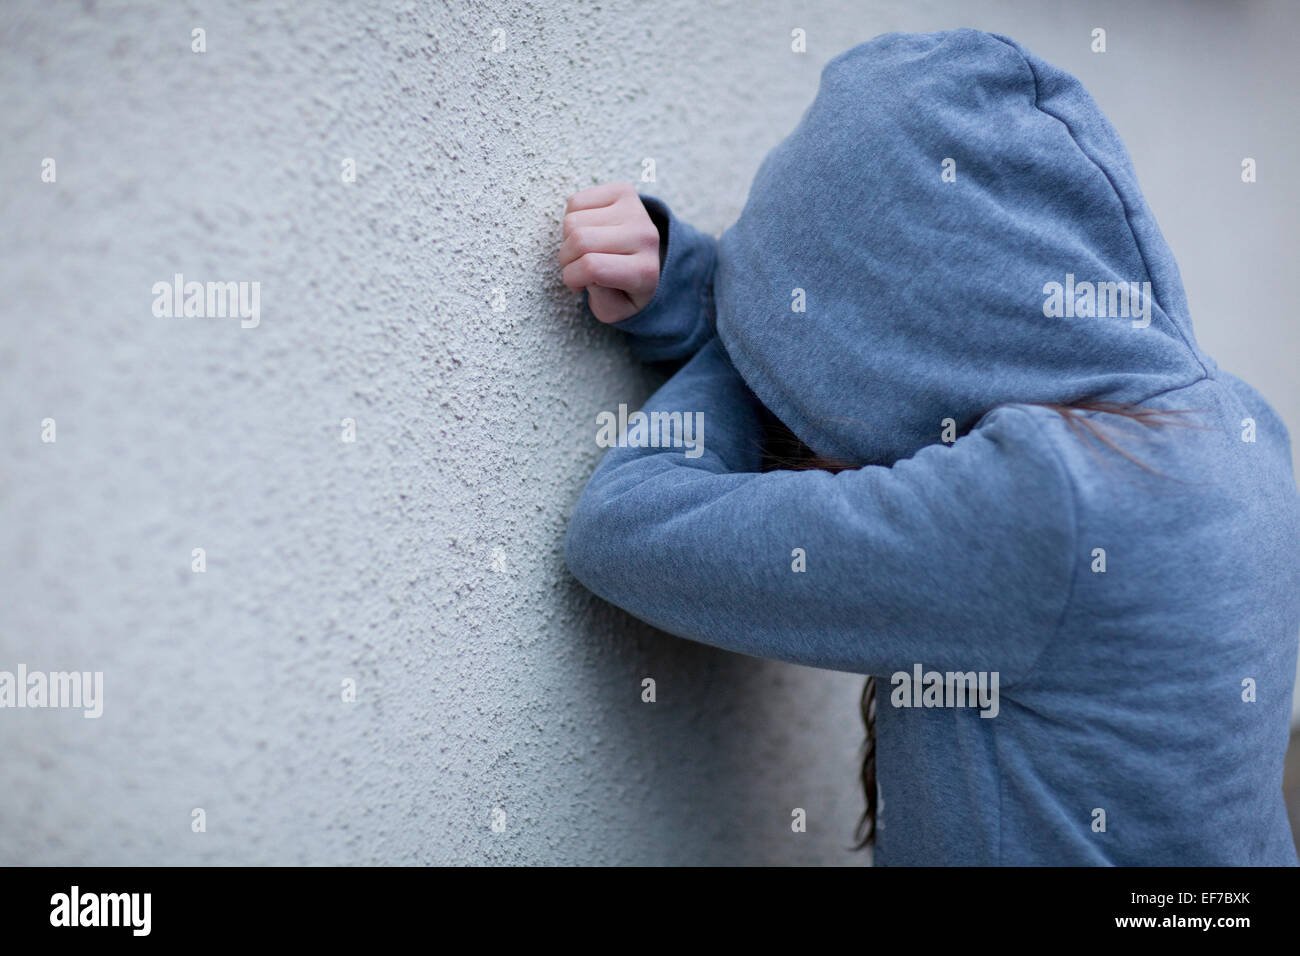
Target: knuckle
(648,271)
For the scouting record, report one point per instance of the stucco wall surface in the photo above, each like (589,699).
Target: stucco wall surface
(423,560)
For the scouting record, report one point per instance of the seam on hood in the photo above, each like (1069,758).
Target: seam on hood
(1137,243)
(1207,377)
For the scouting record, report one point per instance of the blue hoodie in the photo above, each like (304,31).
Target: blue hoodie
(951,239)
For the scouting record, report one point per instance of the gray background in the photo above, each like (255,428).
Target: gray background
(478,688)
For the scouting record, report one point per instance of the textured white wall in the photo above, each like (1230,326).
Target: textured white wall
(478,688)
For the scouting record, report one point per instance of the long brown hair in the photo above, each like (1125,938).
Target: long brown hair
(786,451)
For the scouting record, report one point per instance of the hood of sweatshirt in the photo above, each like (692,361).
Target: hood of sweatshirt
(952,226)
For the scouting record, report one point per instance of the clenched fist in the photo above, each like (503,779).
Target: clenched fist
(610,248)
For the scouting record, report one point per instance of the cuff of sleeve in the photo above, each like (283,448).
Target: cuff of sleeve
(680,317)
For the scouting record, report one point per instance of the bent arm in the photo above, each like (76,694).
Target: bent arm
(959,558)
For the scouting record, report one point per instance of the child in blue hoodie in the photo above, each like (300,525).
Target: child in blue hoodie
(1064,543)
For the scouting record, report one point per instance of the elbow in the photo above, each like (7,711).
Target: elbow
(582,544)
(596,543)
(613,518)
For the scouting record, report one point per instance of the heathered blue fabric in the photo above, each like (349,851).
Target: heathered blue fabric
(1125,691)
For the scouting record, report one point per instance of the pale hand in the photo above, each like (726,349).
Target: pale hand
(611,249)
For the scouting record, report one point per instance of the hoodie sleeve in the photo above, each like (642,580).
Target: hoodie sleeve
(959,558)
(679,317)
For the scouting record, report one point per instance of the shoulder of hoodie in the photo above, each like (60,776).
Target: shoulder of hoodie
(1105,489)
(1013,466)
(1040,446)
(1039,434)
(1010,483)
(1028,429)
